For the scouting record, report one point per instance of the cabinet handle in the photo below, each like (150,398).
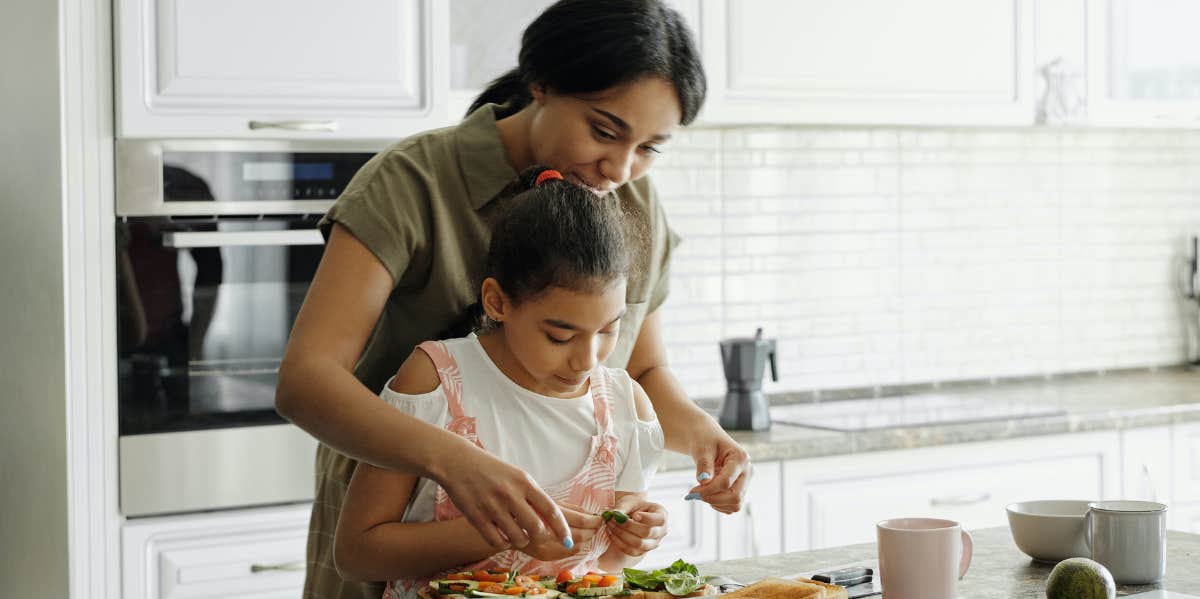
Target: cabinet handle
(295,125)
(296,566)
(960,499)
(1148,481)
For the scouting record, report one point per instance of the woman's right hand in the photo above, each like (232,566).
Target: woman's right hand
(503,502)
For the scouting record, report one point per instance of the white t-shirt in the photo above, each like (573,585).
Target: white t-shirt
(548,437)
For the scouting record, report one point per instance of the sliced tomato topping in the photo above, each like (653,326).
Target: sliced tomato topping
(571,588)
(459,576)
(592,578)
(563,576)
(608,580)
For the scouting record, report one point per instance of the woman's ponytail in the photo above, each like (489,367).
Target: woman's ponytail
(503,89)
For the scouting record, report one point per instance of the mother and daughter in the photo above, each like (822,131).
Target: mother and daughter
(523,436)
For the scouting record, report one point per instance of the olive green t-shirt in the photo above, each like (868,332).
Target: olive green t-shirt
(425,207)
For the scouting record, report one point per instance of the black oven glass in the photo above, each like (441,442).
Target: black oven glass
(204,313)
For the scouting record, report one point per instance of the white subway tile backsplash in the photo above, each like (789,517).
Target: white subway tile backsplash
(880,256)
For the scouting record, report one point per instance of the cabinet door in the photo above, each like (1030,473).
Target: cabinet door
(1143,63)
(1146,464)
(691,525)
(485,38)
(837,501)
(255,554)
(1186,463)
(756,530)
(280,68)
(864,61)
(1185,518)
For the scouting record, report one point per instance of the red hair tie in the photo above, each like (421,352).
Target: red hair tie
(547,175)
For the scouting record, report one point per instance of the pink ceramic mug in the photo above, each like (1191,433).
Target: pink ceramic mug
(922,558)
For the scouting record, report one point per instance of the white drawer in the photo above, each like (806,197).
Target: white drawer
(846,512)
(248,554)
(837,501)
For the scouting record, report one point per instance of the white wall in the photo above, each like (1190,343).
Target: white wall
(33,446)
(881,256)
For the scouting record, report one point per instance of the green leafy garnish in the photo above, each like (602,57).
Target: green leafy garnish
(680,578)
(615,515)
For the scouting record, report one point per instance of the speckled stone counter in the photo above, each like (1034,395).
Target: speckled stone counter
(998,570)
(1089,403)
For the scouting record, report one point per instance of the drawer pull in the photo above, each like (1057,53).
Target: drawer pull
(296,566)
(960,500)
(295,125)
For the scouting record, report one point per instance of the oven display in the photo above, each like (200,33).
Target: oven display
(258,176)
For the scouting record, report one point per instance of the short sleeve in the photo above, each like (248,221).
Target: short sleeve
(385,208)
(641,462)
(663,242)
(429,407)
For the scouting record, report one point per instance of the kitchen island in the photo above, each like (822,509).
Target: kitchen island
(998,570)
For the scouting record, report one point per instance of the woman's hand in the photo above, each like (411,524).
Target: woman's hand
(643,531)
(723,469)
(547,547)
(502,502)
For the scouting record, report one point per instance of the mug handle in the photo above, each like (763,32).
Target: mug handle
(968,547)
(1087,530)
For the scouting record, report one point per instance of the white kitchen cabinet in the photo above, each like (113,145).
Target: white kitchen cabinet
(691,525)
(280,68)
(757,529)
(485,39)
(1186,464)
(251,554)
(1146,470)
(837,500)
(1185,518)
(920,62)
(1143,63)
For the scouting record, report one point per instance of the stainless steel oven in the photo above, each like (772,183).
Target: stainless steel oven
(216,246)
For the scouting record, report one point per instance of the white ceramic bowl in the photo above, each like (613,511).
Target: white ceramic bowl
(1049,530)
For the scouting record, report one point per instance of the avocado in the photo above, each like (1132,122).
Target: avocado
(1080,578)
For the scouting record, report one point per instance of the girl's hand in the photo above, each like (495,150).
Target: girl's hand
(503,502)
(547,548)
(645,529)
(713,449)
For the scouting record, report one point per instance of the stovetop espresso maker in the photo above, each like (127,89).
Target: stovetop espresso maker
(745,405)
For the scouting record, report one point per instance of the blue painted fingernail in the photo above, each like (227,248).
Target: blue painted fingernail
(691,496)
(568,543)
(703,476)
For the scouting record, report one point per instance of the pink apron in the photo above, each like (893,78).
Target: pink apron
(593,488)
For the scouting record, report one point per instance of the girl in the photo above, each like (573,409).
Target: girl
(599,89)
(531,389)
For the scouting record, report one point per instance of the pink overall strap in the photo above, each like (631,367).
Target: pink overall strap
(601,388)
(448,374)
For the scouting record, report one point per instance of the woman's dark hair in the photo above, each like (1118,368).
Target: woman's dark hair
(585,46)
(555,234)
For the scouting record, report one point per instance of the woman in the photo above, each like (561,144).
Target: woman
(599,88)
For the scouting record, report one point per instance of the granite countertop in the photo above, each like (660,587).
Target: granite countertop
(1090,402)
(998,569)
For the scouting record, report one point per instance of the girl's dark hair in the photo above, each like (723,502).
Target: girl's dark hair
(555,234)
(585,46)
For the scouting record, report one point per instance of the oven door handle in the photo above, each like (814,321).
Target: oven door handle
(206,239)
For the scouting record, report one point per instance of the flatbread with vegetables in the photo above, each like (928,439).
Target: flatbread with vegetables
(680,579)
(509,585)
